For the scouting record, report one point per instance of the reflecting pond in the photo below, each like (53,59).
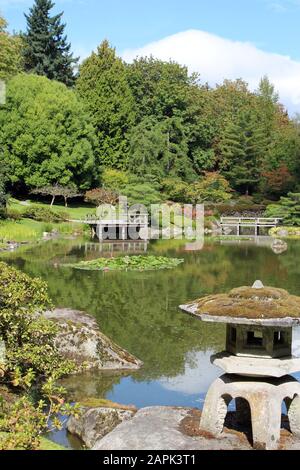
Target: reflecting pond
(139,311)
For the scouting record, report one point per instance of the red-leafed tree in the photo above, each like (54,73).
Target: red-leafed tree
(277,181)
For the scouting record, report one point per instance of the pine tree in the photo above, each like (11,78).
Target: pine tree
(46,50)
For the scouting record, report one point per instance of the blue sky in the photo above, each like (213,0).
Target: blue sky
(139,26)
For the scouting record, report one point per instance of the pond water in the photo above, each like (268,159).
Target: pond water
(139,311)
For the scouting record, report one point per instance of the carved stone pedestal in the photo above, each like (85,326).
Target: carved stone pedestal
(261,398)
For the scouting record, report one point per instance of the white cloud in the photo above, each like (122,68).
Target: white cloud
(217,58)
(198,375)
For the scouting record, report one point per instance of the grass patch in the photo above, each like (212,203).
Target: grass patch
(46,444)
(103,403)
(128,263)
(20,231)
(28,230)
(75,211)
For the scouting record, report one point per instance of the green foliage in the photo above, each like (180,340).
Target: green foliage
(142,193)
(45,135)
(32,363)
(46,50)
(129,263)
(115,180)
(160,148)
(293,233)
(43,214)
(159,88)
(3,194)
(103,86)
(242,149)
(288,209)
(213,187)
(175,189)
(20,231)
(10,52)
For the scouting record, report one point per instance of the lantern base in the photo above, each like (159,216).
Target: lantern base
(256,366)
(258,399)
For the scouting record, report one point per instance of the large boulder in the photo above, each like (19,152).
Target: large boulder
(95,423)
(80,339)
(162,428)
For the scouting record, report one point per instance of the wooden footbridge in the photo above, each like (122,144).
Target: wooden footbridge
(257,223)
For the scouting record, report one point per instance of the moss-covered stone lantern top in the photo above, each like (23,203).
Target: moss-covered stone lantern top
(259,320)
(248,305)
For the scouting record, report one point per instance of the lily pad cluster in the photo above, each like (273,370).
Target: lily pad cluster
(128,263)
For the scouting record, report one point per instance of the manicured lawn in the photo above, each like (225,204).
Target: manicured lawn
(75,211)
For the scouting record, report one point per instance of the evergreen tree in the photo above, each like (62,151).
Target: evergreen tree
(46,50)
(242,145)
(103,86)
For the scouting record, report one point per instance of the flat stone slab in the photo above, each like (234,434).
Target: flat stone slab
(192,309)
(256,367)
(162,428)
(159,428)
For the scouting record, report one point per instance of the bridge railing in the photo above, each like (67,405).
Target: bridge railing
(266,221)
(129,219)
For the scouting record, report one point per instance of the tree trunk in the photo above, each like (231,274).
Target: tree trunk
(66,201)
(52,202)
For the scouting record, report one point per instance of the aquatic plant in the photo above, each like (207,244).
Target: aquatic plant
(128,263)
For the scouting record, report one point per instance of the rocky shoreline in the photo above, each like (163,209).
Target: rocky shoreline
(161,428)
(80,339)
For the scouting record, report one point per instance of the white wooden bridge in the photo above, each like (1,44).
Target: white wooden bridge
(257,223)
(118,227)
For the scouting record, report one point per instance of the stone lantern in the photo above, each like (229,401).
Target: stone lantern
(257,361)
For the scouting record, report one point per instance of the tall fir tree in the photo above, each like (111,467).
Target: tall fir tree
(102,84)
(242,146)
(47,51)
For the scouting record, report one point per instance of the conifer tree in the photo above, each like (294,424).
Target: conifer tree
(46,50)
(102,84)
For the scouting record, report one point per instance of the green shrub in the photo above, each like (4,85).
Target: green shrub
(44,214)
(31,365)
(114,179)
(13,214)
(288,209)
(213,187)
(175,189)
(236,210)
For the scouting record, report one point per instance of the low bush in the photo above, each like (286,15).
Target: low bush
(13,214)
(236,210)
(43,214)
(288,209)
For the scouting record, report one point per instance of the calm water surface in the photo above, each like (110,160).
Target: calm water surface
(139,311)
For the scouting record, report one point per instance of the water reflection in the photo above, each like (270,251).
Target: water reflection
(140,312)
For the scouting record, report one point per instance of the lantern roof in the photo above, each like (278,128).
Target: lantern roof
(265,306)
